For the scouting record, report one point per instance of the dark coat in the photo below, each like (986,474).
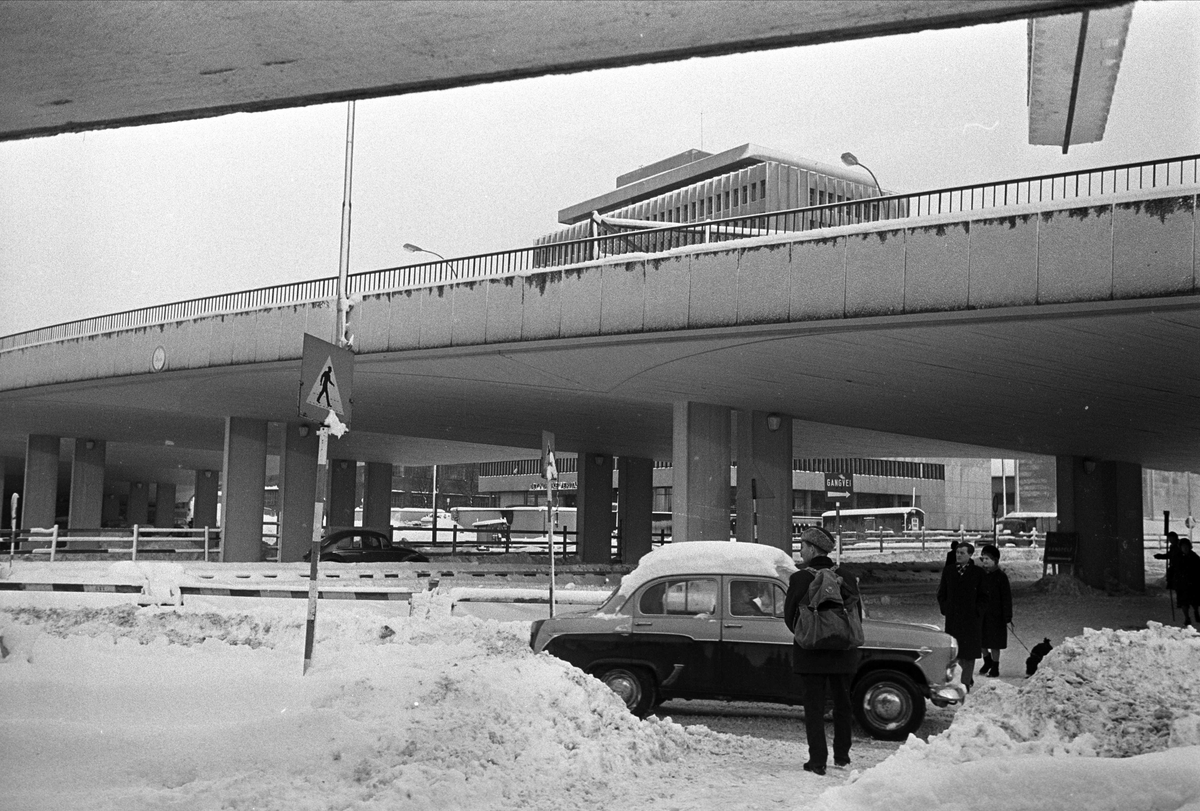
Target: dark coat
(1187,578)
(997,609)
(960,600)
(820,661)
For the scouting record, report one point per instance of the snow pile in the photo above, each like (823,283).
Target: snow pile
(412,713)
(1104,695)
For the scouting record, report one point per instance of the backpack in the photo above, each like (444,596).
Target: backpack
(826,620)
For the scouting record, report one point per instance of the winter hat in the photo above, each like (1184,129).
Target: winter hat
(819,538)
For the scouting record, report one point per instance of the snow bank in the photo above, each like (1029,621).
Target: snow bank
(427,712)
(1103,696)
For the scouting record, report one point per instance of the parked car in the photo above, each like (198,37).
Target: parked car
(704,620)
(362,545)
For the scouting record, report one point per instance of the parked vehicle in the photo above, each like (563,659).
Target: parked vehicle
(362,545)
(679,627)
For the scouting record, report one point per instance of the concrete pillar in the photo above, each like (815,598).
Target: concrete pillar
(164,504)
(87,484)
(243,480)
(593,502)
(40,489)
(377,496)
(110,513)
(635,507)
(343,482)
(297,490)
(764,467)
(1102,502)
(204,499)
(138,509)
(700,481)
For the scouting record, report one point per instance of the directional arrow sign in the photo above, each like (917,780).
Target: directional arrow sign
(839,486)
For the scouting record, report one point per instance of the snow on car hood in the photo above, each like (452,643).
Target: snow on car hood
(709,557)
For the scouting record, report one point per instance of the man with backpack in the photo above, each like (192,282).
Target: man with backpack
(828,631)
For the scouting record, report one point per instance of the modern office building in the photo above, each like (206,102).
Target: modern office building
(731,186)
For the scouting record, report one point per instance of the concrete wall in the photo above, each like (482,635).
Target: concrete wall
(1142,245)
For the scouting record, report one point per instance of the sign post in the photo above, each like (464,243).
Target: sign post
(326,379)
(839,487)
(12,547)
(550,474)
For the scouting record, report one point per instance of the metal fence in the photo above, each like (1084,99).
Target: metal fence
(624,237)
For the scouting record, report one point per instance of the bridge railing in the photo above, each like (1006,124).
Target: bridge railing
(615,238)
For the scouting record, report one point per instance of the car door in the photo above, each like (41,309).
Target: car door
(756,646)
(676,625)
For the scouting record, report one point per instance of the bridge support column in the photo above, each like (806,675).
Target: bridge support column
(138,509)
(1102,502)
(764,467)
(593,500)
(297,491)
(87,484)
(40,488)
(343,483)
(110,513)
(204,499)
(377,496)
(635,507)
(700,480)
(242,482)
(164,504)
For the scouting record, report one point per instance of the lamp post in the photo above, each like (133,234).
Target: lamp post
(849,159)
(411,248)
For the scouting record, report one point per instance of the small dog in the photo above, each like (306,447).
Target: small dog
(1037,655)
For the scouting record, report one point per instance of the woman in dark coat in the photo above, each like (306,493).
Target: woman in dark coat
(1187,581)
(960,600)
(997,609)
(820,669)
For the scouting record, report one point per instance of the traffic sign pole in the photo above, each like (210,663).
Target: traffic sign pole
(310,630)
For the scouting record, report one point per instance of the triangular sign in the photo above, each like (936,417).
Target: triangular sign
(324,392)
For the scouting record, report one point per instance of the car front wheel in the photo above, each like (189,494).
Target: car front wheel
(633,685)
(888,705)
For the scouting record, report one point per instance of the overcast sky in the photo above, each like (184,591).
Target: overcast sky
(112,220)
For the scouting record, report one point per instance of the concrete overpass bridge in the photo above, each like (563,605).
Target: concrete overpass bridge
(1053,315)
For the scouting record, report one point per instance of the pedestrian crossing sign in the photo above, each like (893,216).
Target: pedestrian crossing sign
(326,377)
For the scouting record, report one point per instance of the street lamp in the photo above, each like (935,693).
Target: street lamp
(849,159)
(411,248)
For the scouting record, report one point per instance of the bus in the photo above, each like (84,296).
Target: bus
(876,520)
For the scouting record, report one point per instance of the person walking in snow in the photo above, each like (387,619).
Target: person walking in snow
(1171,556)
(822,671)
(997,609)
(1187,582)
(960,599)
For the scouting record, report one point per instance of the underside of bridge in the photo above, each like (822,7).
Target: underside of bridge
(940,388)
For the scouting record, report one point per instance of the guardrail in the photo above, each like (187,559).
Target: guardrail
(649,238)
(52,542)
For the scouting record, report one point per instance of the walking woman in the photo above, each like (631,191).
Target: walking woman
(997,609)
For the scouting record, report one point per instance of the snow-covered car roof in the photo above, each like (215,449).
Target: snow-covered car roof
(709,557)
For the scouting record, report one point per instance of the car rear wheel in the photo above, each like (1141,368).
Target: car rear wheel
(888,705)
(633,685)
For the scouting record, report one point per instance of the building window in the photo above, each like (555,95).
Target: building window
(726,199)
(693,210)
(812,197)
(718,201)
(735,198)
(710,208)
(753,192)
(744,197)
